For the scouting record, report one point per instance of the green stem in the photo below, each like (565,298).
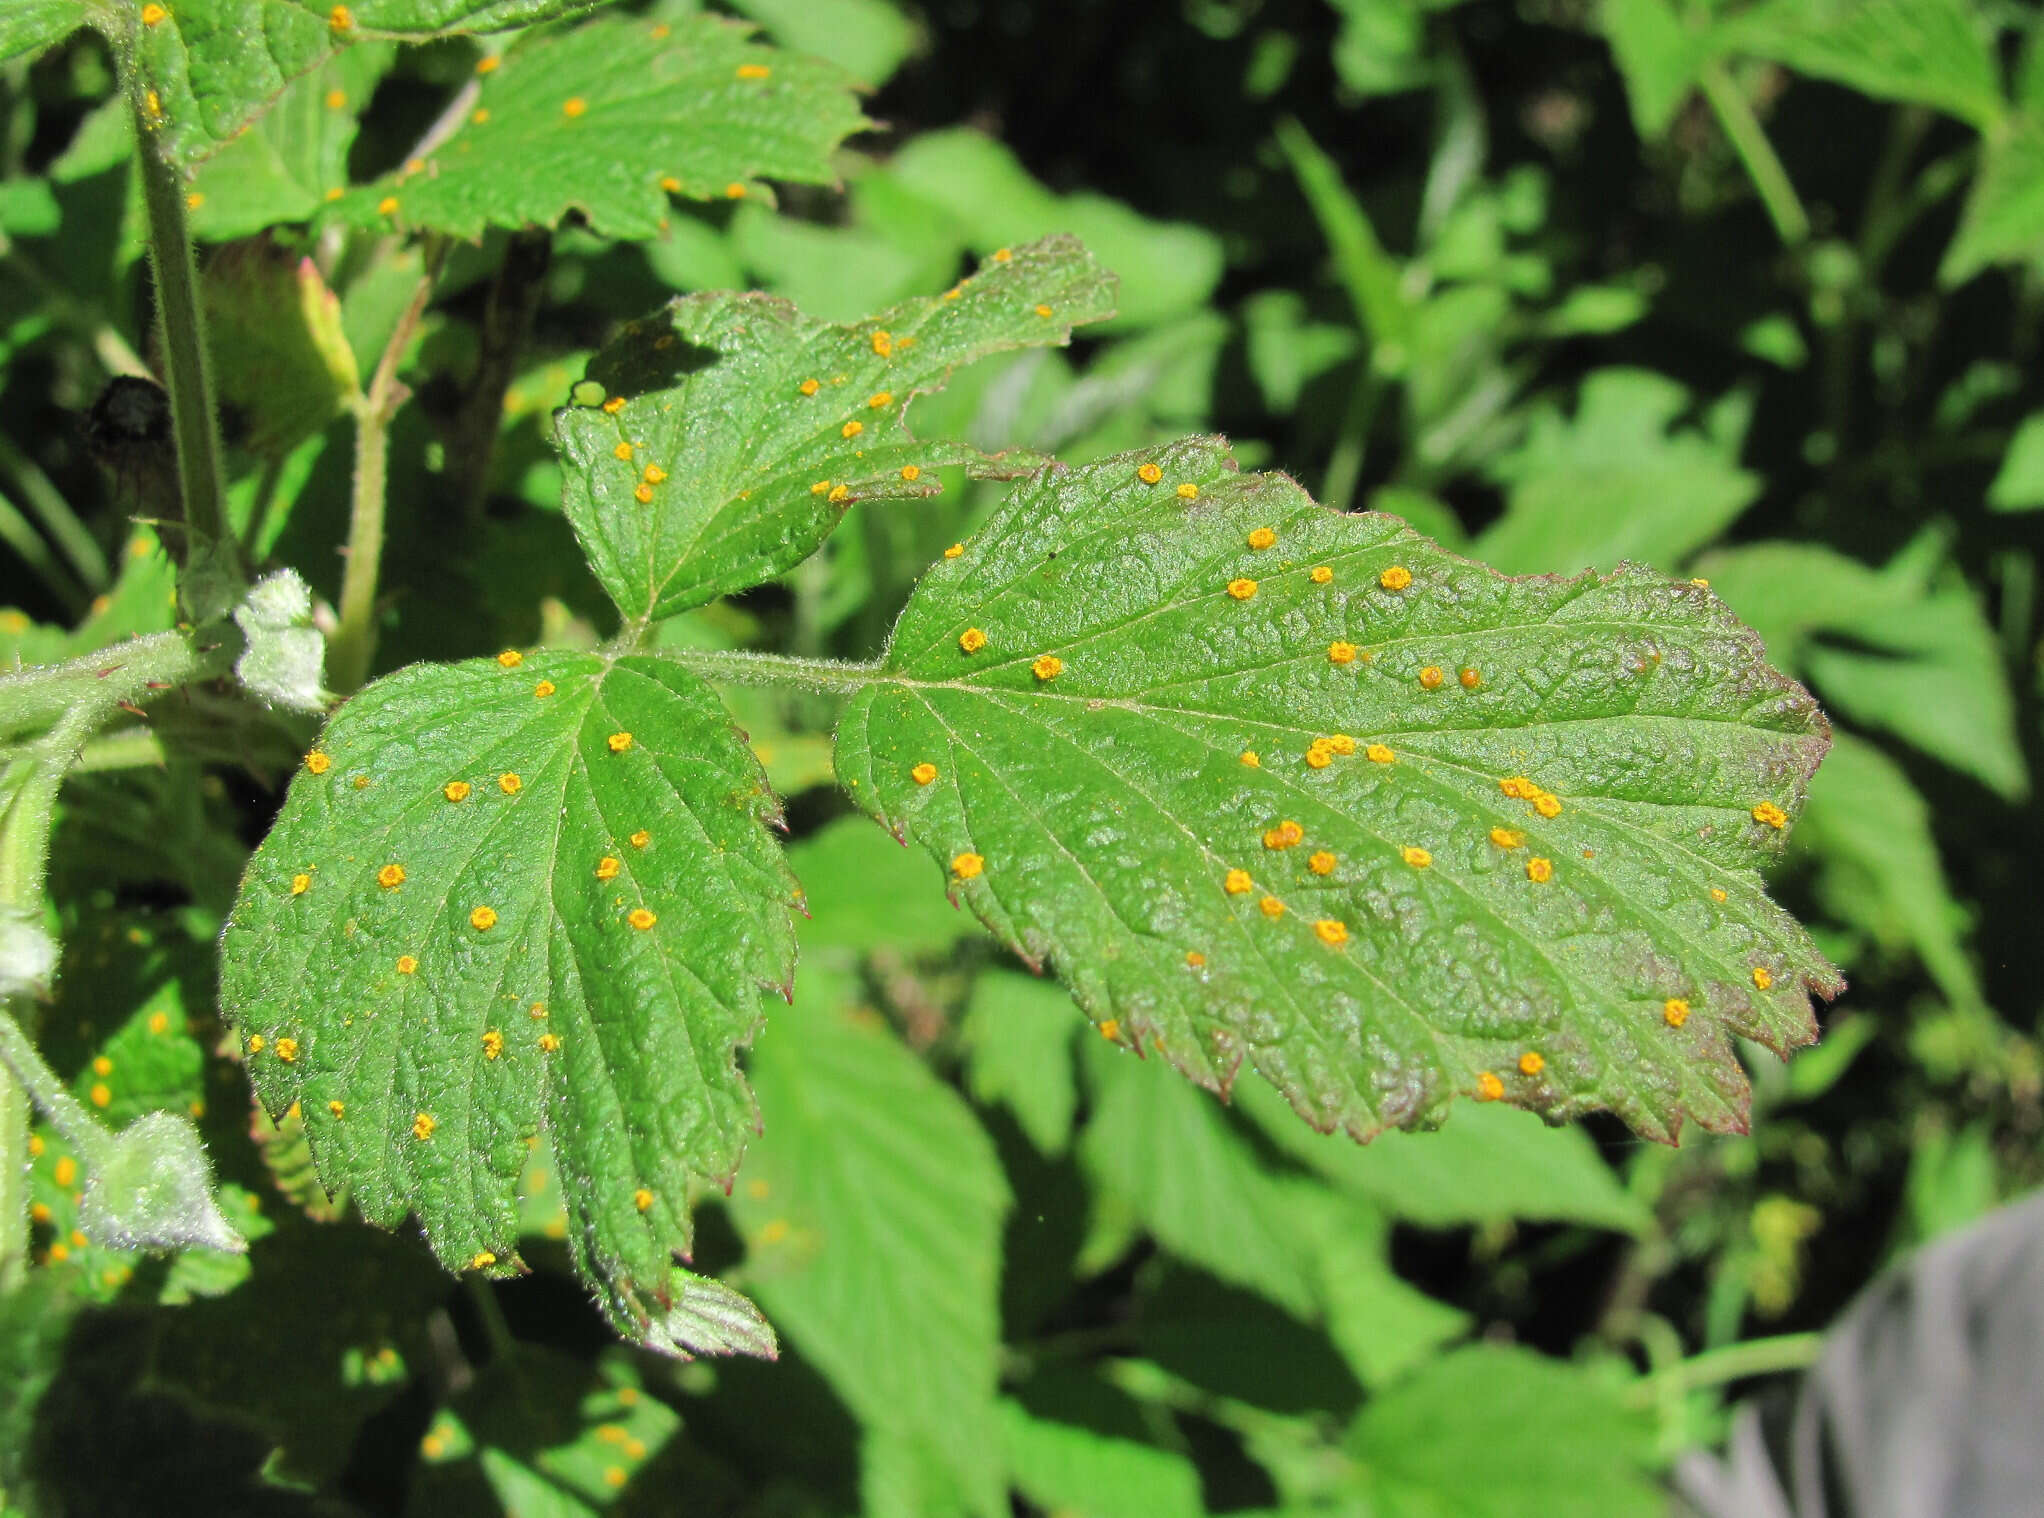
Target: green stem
(182,330)
(1735,115)
(353,646)
(1345,464)
(1735,1362)
(133,748)
(780,671)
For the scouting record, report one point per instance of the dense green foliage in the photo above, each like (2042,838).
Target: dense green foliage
(592,442)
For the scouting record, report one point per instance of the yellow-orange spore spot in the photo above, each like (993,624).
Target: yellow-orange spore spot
(617,743)
(1285,835)
(1770,814)
(337,1107)
(1397,577)
(911,472)
(102,1066)
(1762,977)
(640,918)
(423,1126)
(407,965)
(1418,858)
(335,99)
(493,1044)
(1251,758)
(153,103)
(1431,677)
(614,405)
(734,191)
(1507,838)
(488,65)
(923,773)
(608,866)
(1470,678)
(840,494)
(391,876)
(510,658)
(483,1259)
(1321,574)
(300,884)
(879,398)
(480,115)
(1339,652)
(1717,893)
(967,866)
(1262,538)
(1328,931)
(549,1042)
(954,551)
(1532,1062)
(1237,882)
(1047,667)
(1149,474)
(1195,959)
(387,206)
(509,783)
(482,919)
(101,1095)
(1539,870)
(972,640)
(623,451)
(152,15)
(58,1253)
(1380,753)
(194,200)
(287,1050)
(1241,590)
(883,343)
(640,839)
(340,18)
(670,184)
(754,71)
(1701,584)
(1519,788)
(809,387)
(1341,743)
(318,763)
(852,428)
(360,782)
(39,1212)
(1488,1087)
(1547,805)
(1188,491)
(65,1172)
(574,106)
(1321,863)
(542,690)
(1270,906)
(159,1022)
(35,1146)
(1675,1011)
(1319,756)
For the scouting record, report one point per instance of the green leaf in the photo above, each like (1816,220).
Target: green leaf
(1066,1468)
(1926,52)
(1494,1431)
(1379,49)
(513,894)
(749,428)
(1658,56)
(612,118)
(2019,484)
(868,39)
(29,26)
(286,164)
(1369,274)
(1489,1164)
(1870,831)
(214,65)
(1616,481)
(1167,269)
(283,366)
(2004,217)
(1018,1051)
(866,891)
(1091,798)
(871,1208)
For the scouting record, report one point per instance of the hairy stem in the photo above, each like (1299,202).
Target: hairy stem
(353,645)
(1736,1362)
(780,671)
(181,328)
(1770,179)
